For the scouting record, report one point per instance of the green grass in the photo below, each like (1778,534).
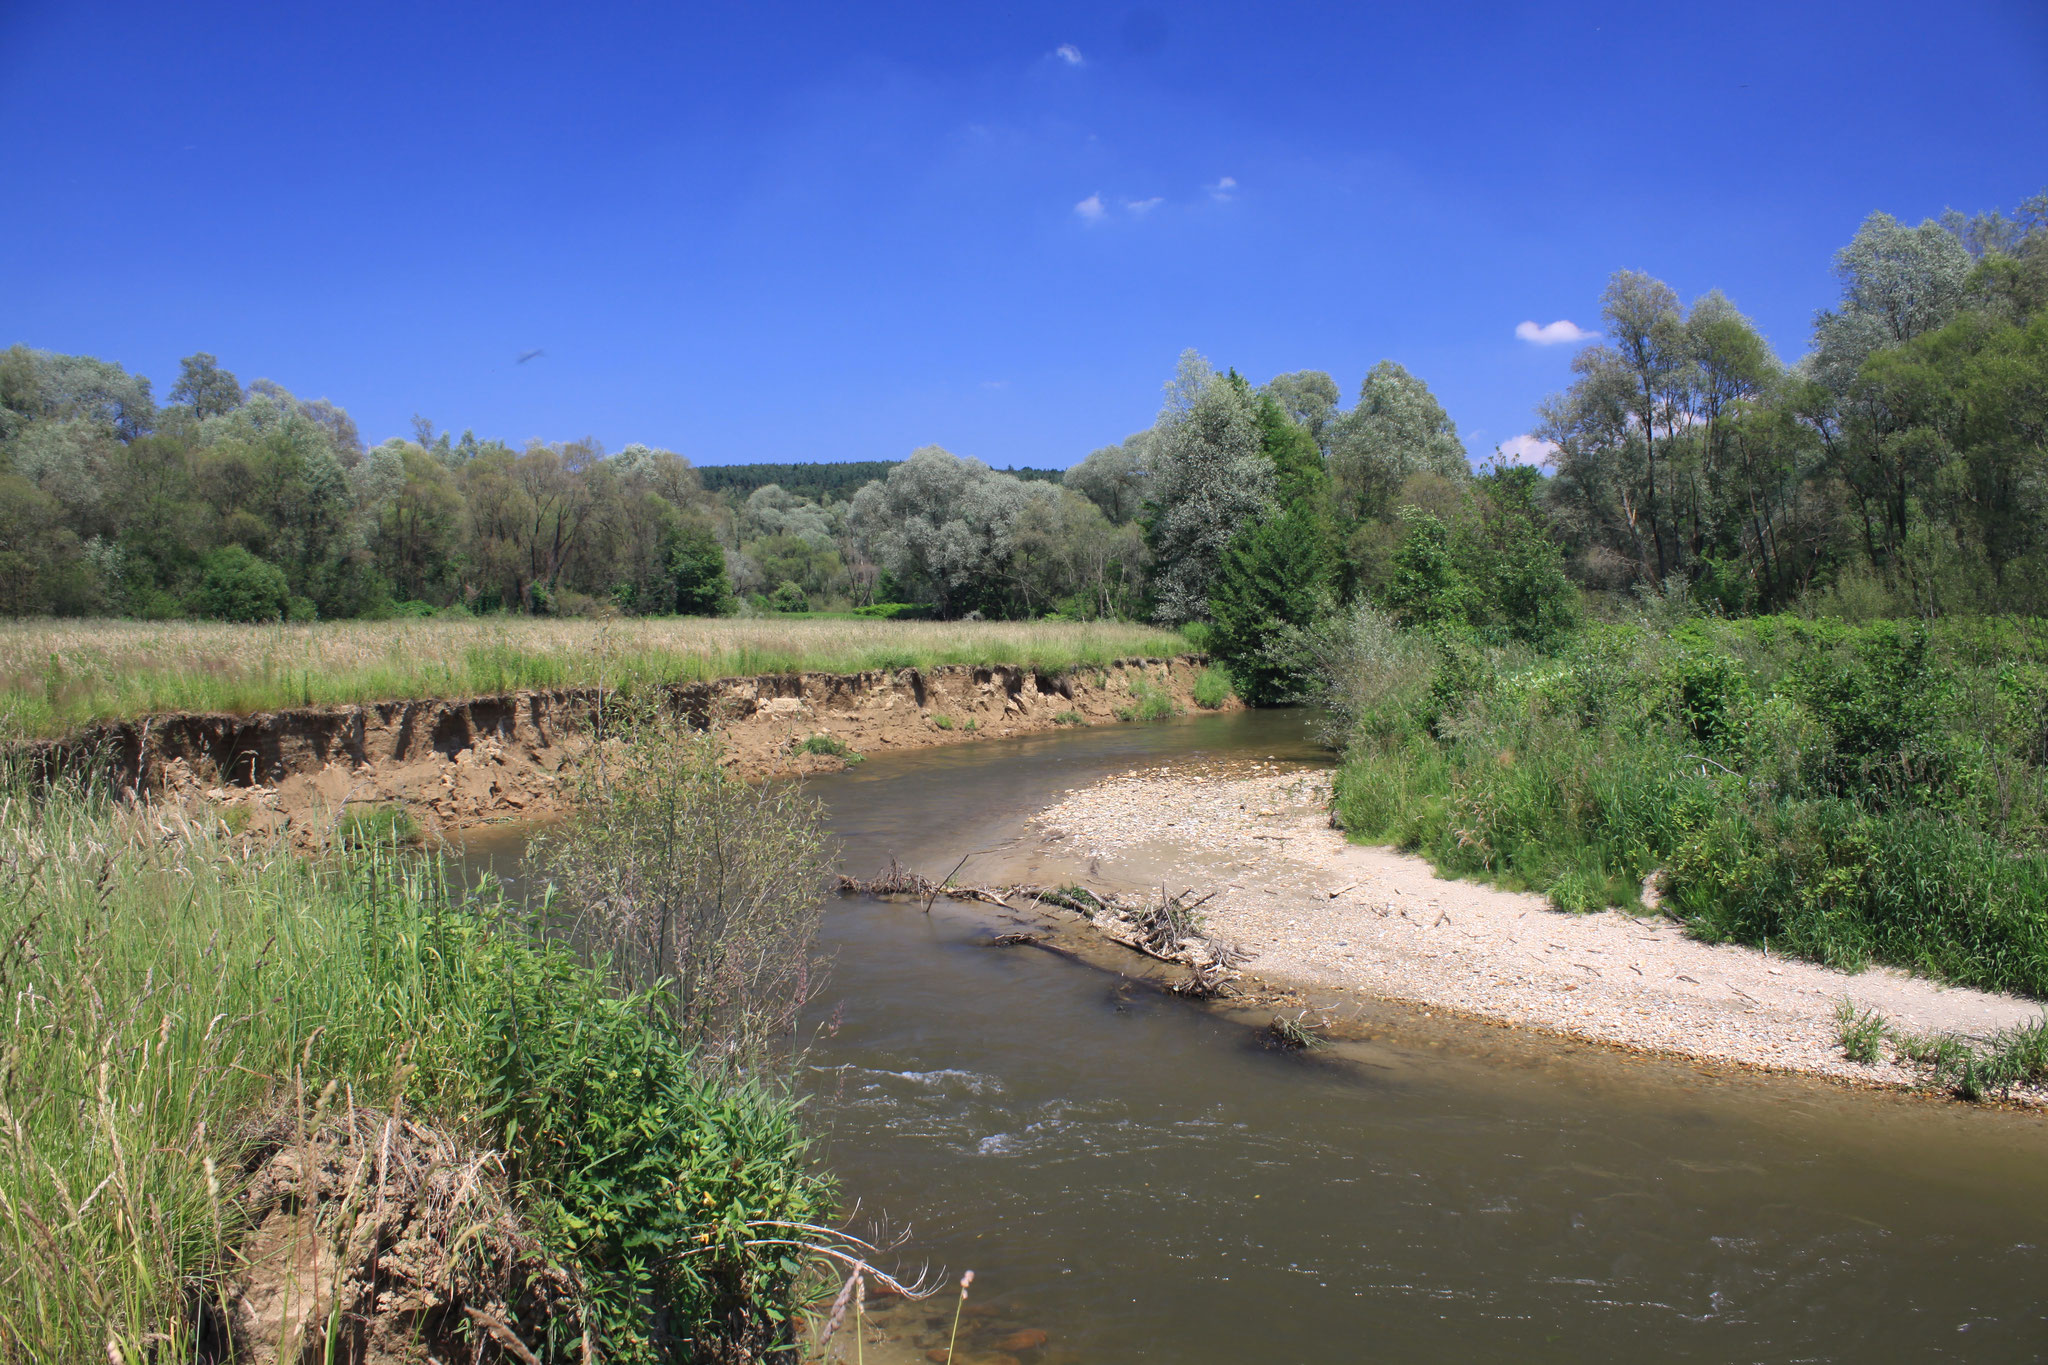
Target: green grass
(1969,1068)
(1069,718)
(367,827)
(943,722)
(1846,794)
(171,984)
(1213,689)
(58,676)
(831,746)
(1148,703)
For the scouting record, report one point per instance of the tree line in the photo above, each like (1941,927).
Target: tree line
(1898,468)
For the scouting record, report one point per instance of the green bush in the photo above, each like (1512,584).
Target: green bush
(237,586)
(1851,794)
(831,746)
(1147,703)
(1212,688)
(789,597)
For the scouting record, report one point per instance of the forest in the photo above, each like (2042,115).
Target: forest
(1896,469)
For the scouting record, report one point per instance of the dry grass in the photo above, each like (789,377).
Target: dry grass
(56,676)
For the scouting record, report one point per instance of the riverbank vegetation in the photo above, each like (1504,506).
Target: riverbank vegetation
(582,1165)
(57,675)
(1852,794)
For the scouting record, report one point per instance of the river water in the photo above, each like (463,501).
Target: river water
(1139,1180)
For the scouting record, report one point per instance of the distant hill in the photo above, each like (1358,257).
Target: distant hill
(820,479)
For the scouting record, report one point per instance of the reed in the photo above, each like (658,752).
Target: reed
(59,675)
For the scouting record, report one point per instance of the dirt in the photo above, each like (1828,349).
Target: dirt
(1322,914)
(454,764)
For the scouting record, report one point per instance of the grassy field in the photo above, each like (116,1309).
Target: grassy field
(56,676)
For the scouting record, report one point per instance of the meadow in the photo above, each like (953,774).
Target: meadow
(59,675)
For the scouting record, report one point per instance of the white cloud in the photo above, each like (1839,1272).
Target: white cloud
(1527,449)
(995,383)
(1090,208)
(1143,205)
(1068,53)
(1553,333)
(1224,188)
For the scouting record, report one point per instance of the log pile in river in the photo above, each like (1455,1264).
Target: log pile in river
(1164,925)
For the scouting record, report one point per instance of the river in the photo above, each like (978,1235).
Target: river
(1139,1179)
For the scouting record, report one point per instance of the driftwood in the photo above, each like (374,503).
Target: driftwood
(1166,926)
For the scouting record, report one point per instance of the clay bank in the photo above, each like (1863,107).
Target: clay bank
(456,763)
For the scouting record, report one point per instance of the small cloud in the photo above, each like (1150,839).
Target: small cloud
(1090,208)
(1068,53)
(1553,333)
(1224,189)
(1142,206)
(1527,449)
(995,383)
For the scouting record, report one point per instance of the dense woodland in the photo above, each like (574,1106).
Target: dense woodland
(1896,469)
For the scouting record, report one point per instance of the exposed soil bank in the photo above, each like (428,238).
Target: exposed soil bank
(1324,915)
(458,763)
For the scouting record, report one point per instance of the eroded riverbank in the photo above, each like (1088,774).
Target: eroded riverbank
(456,764)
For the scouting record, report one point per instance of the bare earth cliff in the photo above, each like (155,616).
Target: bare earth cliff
(453,764)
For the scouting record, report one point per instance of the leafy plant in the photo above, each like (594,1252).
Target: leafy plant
(1212,688)
(831,746)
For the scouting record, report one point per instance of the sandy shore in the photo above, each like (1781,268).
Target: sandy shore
(1322,914)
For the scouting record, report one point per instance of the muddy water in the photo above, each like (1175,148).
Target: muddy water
(1137,1179)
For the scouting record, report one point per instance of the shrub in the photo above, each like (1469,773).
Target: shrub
(832,746)
(237,586)
(1212,688)
(696,881)
(789,597)
(1069,718)
(943,722)
(1147,703)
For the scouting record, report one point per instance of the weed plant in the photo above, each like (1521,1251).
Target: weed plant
(168,982)
(1148,703)
(1213,689)
(831,746)
(1849,794)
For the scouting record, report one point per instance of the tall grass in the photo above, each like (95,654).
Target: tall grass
(1852,795)
(58,675)
(167,983)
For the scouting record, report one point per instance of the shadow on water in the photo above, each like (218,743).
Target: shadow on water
(1137,1178)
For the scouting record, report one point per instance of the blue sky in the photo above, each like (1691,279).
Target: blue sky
(783,231)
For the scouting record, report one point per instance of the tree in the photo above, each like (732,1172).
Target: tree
(205,387)
(237,586)
(696,566)
(1273,578)
(1310,399)
(1649,346)
(1115,478)
(1210,479)
(1397,429)
(941,526)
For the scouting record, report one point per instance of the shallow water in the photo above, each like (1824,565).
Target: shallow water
(1138,1179)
